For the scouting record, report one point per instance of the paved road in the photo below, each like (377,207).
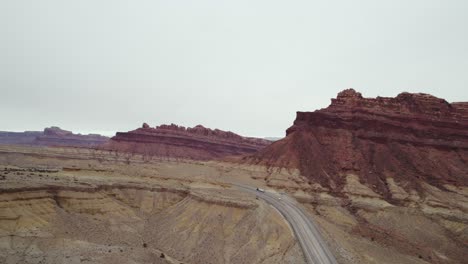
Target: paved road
(314,247)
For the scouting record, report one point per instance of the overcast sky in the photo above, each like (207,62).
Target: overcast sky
(244,66)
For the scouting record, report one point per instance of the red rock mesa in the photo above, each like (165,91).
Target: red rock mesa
(411,138)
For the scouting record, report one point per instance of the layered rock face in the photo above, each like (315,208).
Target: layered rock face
(180,142)
(411,138)
(54,136)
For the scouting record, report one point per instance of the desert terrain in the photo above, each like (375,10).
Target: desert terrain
(71,205)
(380,180)
(228,132)
(62,205)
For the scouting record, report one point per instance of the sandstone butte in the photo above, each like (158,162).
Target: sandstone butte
(413,138)
(198,143)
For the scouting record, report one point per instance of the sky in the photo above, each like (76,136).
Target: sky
(244,66)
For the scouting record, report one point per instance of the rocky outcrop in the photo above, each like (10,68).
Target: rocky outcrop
(54,136)
(180,142)
(411,138)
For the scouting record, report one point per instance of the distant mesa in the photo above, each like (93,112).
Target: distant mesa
(56,132)
(412,138)
(52,136)
(19,138)
(180,142)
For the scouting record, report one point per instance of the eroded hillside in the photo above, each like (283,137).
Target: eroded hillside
(386,171)
(59,209)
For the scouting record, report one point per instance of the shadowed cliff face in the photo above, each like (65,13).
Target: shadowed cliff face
(410,138)
(191,143)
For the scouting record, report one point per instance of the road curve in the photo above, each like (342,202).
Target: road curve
(313,246)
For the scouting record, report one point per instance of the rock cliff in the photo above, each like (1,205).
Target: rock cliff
(411,138)
(180,142)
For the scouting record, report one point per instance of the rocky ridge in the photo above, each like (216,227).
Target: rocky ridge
(412,138)
(181,142)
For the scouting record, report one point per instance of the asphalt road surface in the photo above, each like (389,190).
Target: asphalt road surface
(314,247)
